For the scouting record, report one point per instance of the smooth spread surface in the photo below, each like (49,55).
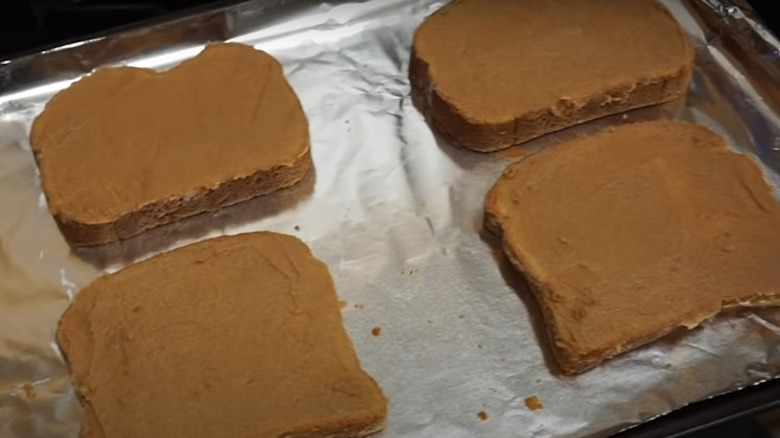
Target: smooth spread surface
(496,61)
(124,137)
(636,230)
(233,337)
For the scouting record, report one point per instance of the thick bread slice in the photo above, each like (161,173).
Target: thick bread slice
(127,149)
(495,73)
(236,336)
(634,231)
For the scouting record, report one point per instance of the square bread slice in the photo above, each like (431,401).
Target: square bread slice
(634,231)
(236,336)
(126,149)
(495,73)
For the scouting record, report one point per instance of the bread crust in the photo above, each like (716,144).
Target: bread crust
(161,212)
(470,129)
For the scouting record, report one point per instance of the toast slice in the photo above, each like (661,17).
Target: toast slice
(495,73)
(126,149)
(236,336)
(634,231)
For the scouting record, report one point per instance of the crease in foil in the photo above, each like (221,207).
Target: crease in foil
(397,216)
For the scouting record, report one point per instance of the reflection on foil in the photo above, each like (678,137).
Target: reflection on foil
(396,213)
(736,21)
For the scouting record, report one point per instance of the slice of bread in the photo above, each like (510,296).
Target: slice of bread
(494,73)
(236,336)
(634,231)
(126,149)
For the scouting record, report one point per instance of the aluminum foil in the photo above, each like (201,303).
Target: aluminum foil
(397,215)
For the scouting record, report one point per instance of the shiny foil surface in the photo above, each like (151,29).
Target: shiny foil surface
(437,316)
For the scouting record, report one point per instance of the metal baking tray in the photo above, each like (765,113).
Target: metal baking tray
(396,213)
(709,415)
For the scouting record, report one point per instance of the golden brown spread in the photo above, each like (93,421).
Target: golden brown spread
(124,137)
(502,58)
(535,66)
(636,230)
(233,337)
(532,403)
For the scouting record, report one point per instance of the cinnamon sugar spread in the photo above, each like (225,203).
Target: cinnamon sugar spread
(122,139)
(631,232)
(236,336)
(499,72)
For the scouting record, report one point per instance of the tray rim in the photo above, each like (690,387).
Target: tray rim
(694,417)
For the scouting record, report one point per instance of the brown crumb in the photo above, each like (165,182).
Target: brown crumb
(376,331)
(29,391)
(668,366)
(358,305)
(461,316)
(533,403)
(297,228)
(343,304)
(482,415)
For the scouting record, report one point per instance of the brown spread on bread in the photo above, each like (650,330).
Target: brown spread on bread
(236,336)
(125,149)
(493,73)
(629,233)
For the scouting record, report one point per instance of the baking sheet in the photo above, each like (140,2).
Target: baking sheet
(397,216)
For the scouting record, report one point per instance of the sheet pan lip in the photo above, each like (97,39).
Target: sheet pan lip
(216,8)
(718,409)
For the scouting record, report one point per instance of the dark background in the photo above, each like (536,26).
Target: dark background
(29,25)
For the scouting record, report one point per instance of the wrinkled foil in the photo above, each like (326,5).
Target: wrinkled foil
(396,213)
